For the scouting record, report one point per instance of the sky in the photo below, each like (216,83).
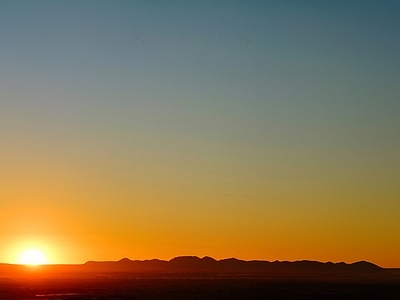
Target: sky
(153,129)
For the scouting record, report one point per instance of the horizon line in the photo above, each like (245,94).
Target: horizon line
(198,257)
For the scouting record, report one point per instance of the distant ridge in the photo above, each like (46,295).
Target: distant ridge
(276,269)
(229,266)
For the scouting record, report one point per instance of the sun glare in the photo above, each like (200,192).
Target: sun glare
(33,257)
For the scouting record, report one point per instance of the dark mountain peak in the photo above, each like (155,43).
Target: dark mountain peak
(185,259)
(306,261)
(124,260)
(365,266)
(188,264)
(154,260)
(231,259)
(208,259)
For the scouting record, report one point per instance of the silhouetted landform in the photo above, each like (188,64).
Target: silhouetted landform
(206,266)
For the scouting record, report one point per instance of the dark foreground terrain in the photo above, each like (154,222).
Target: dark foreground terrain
(191,277)
(179,286)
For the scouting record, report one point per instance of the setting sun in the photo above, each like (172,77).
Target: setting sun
(33,257)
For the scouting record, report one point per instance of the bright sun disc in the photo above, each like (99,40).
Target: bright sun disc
(33,257)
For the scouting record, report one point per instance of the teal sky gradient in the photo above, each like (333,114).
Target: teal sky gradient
(259,117)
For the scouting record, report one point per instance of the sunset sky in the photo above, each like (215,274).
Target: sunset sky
(152,129)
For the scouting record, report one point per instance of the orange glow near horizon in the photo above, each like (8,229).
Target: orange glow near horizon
(32,251)
(75,238)
(46,252)
(33,257)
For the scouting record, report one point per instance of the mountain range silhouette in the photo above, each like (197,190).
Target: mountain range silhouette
(230,266)
(194,264)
